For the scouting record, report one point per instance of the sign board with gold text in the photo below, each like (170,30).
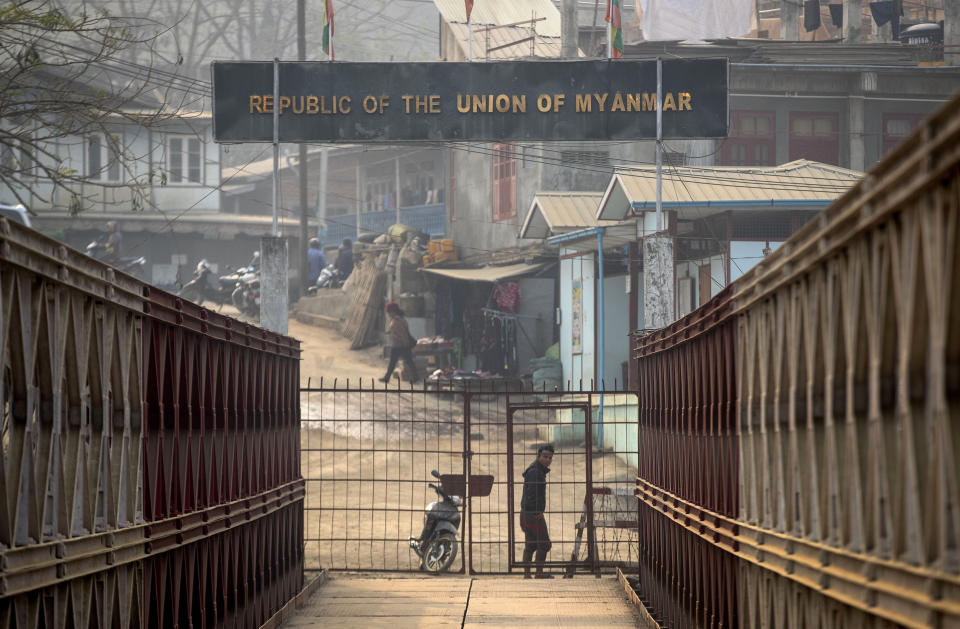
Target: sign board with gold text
(560,100)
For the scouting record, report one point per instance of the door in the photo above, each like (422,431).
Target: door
(569,515)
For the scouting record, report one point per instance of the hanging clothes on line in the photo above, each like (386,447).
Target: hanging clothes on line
(811,15)
(888,11)
(836,14)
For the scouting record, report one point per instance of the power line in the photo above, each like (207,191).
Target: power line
(216,188)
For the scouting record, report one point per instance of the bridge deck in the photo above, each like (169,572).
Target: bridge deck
(399,602)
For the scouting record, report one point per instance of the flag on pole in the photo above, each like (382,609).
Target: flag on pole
(469,8)
(328,28)
(616,33)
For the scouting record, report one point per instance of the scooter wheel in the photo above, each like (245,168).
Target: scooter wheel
(439,554)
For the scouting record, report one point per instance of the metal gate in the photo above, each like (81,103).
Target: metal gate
(367,452)
(529,425)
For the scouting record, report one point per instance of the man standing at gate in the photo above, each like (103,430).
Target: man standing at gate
(532,505)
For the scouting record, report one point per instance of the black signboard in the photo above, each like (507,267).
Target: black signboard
(483,101)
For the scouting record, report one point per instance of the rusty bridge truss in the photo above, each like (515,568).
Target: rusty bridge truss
(150,452)
(799,434)
(368,451)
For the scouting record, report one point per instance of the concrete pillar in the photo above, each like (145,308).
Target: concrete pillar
(852,21)
(658,281)
(951,32)
(882,33)
(568,28)
(790,19)
(273,284)
(855,122)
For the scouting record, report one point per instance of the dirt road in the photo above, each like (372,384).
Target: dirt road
(327,355)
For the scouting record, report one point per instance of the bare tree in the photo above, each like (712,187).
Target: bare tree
(199,32)
(63,75)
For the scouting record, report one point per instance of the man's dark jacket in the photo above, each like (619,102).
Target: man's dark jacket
(534,499)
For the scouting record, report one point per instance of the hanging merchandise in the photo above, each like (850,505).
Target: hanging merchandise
(498,346)
(507,295)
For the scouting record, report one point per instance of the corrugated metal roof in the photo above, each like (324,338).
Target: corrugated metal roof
(487,273)
(801,181)
(615,234)
(557,212)
(211,224)
(506,43)
(499,12)
(569,210)
(749,50)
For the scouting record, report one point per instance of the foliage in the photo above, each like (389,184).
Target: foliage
(63,77)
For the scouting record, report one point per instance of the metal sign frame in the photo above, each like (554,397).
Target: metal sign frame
(526,100)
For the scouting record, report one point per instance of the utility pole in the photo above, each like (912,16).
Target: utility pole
(274,255)
(304,225)
(951,32)
(568,29)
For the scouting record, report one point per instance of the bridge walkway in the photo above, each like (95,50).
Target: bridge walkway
(401,602)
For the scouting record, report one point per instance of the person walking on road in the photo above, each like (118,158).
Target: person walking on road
(401,342)
(533,503)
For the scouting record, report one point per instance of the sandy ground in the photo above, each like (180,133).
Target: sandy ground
(327,355)
(367,459)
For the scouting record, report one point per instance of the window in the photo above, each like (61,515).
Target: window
(585,158)
(674,158)
(896,128)
(380,196)
(504,182)
(752,140)
(815,136)
(103,158)
(184,159)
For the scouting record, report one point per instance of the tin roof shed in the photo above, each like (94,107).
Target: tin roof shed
(793,185)
(553,213)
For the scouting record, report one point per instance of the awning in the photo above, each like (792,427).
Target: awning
(617,235)
(488,273)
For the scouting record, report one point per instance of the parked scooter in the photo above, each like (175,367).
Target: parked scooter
(132,265)
(246,293)
(437,545)
(205,285)
(329,278)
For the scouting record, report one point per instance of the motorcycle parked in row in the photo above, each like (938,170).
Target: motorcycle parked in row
(206,286)
(437,545)
(132,265)
(240,287)
(246,294)
(329,278)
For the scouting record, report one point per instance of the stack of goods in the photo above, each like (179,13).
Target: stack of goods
(547,373)
(440,251)
(364,320)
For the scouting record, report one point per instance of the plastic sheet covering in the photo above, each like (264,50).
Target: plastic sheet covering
(693,20)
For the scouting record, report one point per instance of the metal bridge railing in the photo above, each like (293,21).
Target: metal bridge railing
(799,434)
(150,470)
